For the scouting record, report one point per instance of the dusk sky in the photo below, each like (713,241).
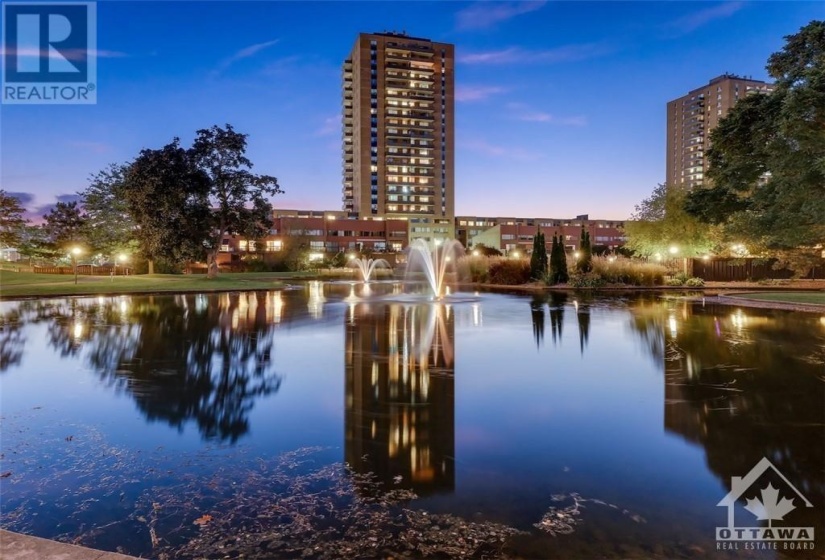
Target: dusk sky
(560,106)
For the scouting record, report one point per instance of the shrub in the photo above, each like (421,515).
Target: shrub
(694,282)
(509,272)
(629,272)
(586,280)
(673,282)
(473,269)
(255,264)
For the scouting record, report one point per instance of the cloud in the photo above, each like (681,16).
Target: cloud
(245,52)
(476,93)
(492,150)
(486,14)
(517,55)
(23,198)
(699,18)
(330,126)
(523,112)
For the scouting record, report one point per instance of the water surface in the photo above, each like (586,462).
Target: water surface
(337,420)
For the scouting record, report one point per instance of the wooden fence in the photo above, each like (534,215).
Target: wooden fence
(84,270)
(732,270)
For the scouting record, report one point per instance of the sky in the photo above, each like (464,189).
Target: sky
(560,106)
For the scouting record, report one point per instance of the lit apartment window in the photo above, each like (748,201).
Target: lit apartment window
(274,245)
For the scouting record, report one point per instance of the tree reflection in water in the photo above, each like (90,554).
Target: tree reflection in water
(199,357)
(745,384)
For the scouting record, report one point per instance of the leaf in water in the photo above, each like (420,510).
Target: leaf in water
(203,520)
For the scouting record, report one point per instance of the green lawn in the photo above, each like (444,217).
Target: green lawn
(22,284)
(815,298)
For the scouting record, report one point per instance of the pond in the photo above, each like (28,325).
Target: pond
(337,420)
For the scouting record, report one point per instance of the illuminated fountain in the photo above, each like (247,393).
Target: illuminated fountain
(367,266)
(434,262)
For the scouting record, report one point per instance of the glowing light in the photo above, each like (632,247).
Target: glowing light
(705,257)
(124,307)
(515,254)
(475,253)
(822,320)
(612,259)
(350,257)
(576,255)
(673,249)
(78,330)
(122,258)
(316,256)
(76,251)
(657,256)
(671,322)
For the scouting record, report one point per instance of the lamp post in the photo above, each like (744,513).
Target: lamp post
(122,258)
(75,253)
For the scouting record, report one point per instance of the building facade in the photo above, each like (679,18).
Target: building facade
(398,132)
(322,232)
(692,117)
(516,234)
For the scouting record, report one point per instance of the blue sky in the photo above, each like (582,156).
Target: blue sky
(560,105)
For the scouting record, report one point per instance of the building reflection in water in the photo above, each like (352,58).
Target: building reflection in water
(400,395)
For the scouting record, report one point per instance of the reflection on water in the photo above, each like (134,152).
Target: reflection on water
(399,392)
(473,406)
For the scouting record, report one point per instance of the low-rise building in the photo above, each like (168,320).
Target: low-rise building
(512,234)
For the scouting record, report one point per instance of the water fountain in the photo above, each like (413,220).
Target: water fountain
(434,262)
(367,266)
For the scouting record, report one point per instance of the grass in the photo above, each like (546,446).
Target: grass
(815,298)
(28,284)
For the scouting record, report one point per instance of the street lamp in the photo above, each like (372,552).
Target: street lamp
(122,258)
(75,252)
(576,255)
(673,249)
(475,253)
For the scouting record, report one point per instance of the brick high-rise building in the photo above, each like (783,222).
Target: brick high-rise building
(398,143)
(690,119)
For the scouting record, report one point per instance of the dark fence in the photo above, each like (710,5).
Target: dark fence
(732,270)
(83,270)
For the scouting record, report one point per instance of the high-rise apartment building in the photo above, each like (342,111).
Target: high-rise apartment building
(690,119)
(398,143)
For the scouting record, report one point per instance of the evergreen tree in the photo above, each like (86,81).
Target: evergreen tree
(538,259)
(586,260)
(563,274)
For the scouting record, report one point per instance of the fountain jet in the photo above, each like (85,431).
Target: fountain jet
(434,261)
(367,266)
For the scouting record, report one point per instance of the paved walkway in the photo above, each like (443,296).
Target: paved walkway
(14,546)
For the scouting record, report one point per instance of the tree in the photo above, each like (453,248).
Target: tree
(486,251)
(166,196)
(12,221)
(558,262)
(111,228)
(35,244)
(239,198)
(584,262)
(661,222)
(538,258)
(66,224)
(767,159)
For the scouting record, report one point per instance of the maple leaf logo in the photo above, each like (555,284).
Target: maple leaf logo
(770,507)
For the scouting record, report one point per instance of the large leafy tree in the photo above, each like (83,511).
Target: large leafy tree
(767,159)
(239,198)
(66,225)
(167,197)
(111,227)
(12,221)
(660,222)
